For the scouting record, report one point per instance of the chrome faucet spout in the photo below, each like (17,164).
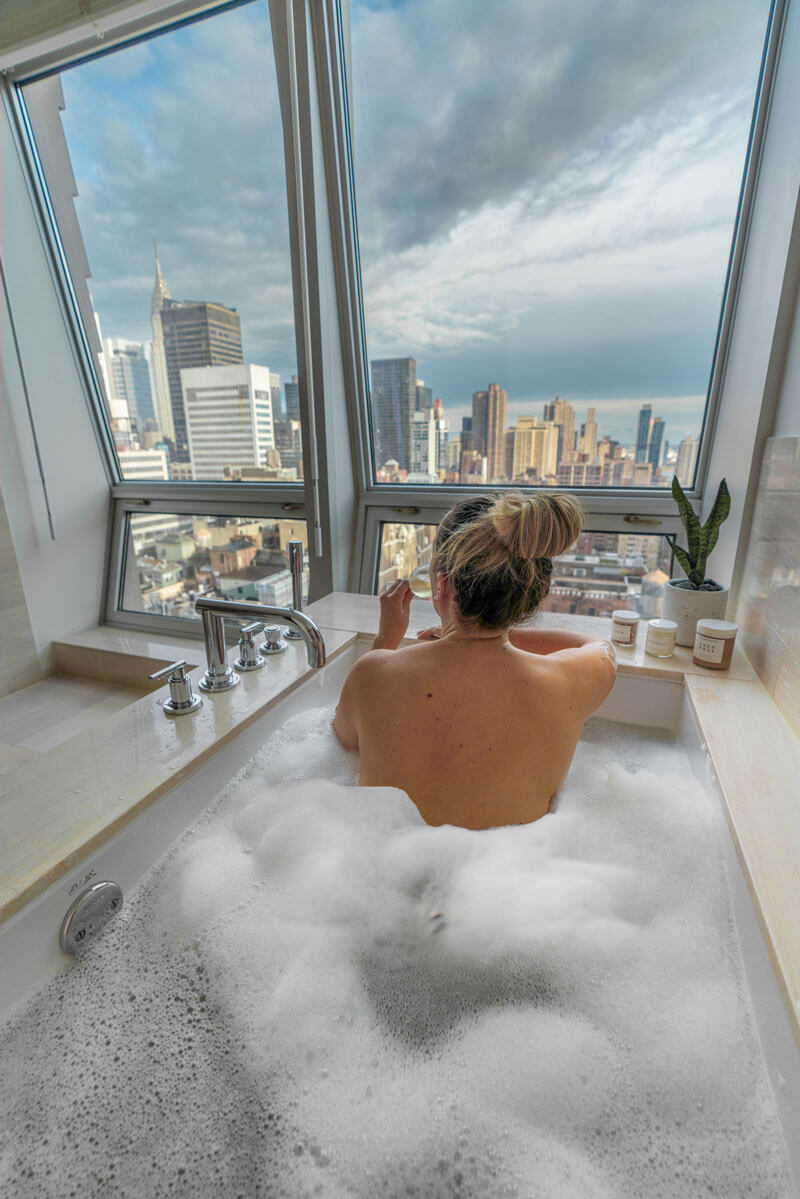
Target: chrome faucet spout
(214,612)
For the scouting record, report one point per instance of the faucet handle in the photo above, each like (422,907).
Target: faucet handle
(178,667)
(273,643)
(181,697)
(249,657)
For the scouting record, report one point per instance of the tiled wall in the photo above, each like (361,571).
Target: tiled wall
(19,661)
(769,608)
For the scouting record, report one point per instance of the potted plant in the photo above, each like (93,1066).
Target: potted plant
(696,597)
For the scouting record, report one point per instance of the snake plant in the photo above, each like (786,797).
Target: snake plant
(701,539)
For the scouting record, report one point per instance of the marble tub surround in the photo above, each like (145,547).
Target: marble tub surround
(39,717)
(125,656)
(769,608)
(756,759)
(57,807)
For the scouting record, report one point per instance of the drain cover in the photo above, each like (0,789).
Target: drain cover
(88,915)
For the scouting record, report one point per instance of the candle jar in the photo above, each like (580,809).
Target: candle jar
(624,623)
(660,641)
(713,644)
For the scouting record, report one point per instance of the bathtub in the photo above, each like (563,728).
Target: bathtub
(29,949)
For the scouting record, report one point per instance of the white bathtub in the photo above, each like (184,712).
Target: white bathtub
(29,949)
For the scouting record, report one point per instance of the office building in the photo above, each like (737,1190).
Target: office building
(423,448)
(128,373)
(488,429)
(393,399)
(424,395)
(687,461)
(535,448)
(188,334)
(657,446)
(291,394)
(643,432)
(289,444)
(562,415)
(228,413)
(587,442)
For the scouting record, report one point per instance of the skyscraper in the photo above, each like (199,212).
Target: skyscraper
(488,429)
(129,376)
(291,392)
(424,395)
(228,414)
(655,451)
(535,447)
(562,414)
(394,401)
(643,432)
(687,461)
(587,443)
(189,334)
(161,396)
(423,447)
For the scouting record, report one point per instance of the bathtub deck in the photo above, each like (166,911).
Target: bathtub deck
(57,806)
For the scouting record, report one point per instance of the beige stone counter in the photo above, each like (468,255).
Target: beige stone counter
(57,806)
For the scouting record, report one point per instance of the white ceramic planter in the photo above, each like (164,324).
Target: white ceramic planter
(687,607)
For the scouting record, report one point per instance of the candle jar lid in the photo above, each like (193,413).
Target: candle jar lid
(625,616)
(724,629)
(663,625)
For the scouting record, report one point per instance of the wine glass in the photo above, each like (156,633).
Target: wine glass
(420,581)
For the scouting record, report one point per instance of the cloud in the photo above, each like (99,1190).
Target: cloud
(461,105)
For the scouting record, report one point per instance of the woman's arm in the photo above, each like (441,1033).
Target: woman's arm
(549,641)
(395,612)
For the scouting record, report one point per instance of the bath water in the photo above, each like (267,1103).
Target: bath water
(313,993)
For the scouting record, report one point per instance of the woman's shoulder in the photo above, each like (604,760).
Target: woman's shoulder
(585,672)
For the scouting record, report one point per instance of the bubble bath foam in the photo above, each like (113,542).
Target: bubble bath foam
(314,993)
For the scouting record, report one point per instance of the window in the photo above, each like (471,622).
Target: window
(546,199)
(172,558)
(601,572)
(176,146)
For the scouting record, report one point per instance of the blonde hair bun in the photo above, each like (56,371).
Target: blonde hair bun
(543,525)
(497,552)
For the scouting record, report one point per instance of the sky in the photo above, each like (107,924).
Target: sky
(545,191)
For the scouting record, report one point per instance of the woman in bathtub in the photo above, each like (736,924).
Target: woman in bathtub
(479,720)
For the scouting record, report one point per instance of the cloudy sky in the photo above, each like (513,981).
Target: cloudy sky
(545,191)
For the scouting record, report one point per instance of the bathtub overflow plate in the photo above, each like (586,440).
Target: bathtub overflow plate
(88,915)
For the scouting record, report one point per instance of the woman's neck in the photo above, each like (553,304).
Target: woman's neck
(459,630)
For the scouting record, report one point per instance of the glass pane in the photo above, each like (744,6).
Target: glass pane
(546,197)
(601,572)
(172,559)
(176,148)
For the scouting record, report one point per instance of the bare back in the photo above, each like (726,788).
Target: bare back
(479,733)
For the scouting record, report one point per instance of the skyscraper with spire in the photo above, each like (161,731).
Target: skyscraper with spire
(161,399)
(186,334)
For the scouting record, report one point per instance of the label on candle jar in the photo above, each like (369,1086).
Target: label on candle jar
(708,649)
